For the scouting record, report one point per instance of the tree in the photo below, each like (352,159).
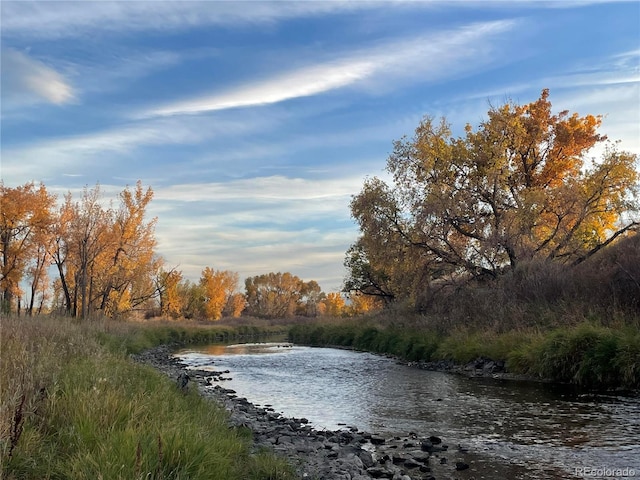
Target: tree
(219,287)
(105,257)
(85,243)
(192,298)
(25,218)
(236,304)
(59,253)
(37,271)
(334,305)
(516,189)
(167,289)
(311,295)
(361,304)
(129,260)
(277,295)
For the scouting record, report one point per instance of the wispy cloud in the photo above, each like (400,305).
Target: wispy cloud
(28,80)
(301,83)
(310,254)
(44,19)
(263,190)
(80,154)
(117,67)
(257,225)
(426,57)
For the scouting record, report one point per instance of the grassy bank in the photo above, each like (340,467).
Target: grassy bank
(587,354)
(74,406)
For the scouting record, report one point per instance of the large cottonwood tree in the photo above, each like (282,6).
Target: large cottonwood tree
(520,187)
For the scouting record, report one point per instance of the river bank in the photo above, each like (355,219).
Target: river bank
(587,356)
(321,454)
(75,406)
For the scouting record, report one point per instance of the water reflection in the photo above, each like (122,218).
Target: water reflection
(514,429)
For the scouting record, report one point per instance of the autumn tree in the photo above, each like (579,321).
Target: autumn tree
(360,304)
(25,218)
(167,285)
(235,305)
(86,242)
(279,295)
(334,305)
(128,259)
(519,188)
(37,271)
(105,257)
(192,299)
(311,295)
(59,252)
(219,287)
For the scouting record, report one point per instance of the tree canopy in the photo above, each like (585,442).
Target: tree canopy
(519,188)
(106,264)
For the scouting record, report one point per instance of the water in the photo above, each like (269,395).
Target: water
(512,430)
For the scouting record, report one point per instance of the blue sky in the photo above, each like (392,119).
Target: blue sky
(255,122)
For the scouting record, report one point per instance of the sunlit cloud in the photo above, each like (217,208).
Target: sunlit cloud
(27,80)
(302,83)
(426,57)
(261,189)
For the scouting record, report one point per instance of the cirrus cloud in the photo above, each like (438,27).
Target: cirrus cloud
(28,80)
(428,57)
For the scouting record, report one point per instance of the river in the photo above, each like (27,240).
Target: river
(512,430)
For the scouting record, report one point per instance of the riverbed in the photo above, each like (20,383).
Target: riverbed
(511,429)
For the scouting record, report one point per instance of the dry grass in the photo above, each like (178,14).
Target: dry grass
(74,406)
(33,354)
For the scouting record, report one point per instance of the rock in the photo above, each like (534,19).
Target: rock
(428,446)
(183,381)
(377,440)
(366,458)
(379,472)
(411,464)
(461,466)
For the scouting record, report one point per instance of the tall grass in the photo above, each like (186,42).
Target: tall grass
(74,408)
(588,355)
(409,344)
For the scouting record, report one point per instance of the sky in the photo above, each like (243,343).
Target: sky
(256,122)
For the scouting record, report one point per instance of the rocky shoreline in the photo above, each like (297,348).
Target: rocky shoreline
(346,454)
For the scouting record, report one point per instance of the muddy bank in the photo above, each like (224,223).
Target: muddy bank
(347,454)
